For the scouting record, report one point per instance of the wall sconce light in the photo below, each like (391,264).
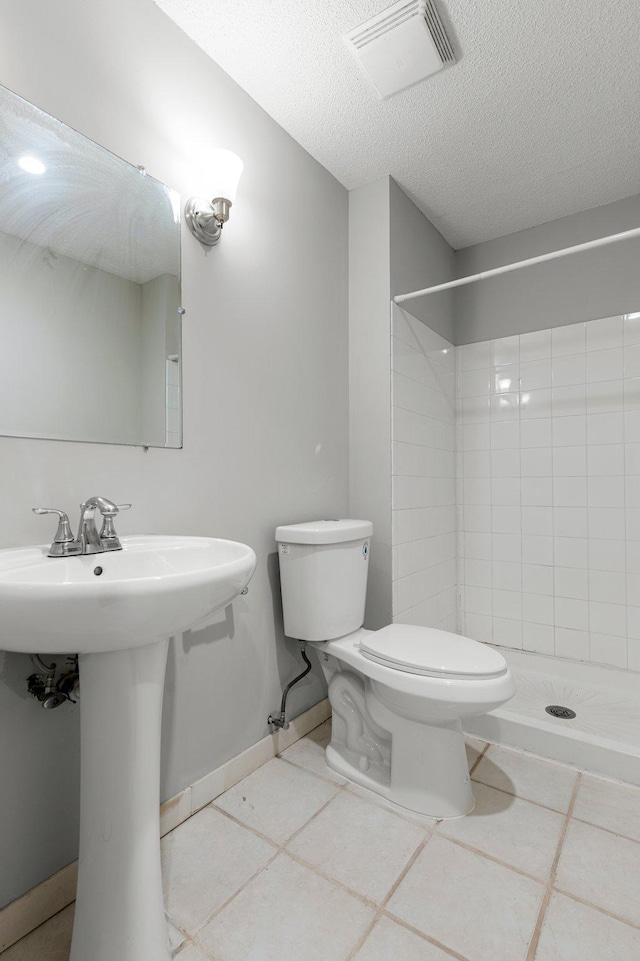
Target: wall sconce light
(206,218)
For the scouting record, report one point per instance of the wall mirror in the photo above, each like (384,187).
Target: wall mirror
(90,289)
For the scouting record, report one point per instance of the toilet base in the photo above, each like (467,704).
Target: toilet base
(421,765)
(434,781)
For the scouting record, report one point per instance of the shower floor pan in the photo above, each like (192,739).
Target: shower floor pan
(603,738)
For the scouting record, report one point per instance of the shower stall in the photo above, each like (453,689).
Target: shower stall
(516,519)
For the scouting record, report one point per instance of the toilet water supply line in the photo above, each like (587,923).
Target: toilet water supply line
(280,720)
(506,268)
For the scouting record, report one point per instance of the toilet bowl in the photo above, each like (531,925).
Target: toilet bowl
(398,695)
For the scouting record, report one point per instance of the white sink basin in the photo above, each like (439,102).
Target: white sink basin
(118,610)
(155,587)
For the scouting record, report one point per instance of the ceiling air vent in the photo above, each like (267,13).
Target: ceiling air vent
(401,46)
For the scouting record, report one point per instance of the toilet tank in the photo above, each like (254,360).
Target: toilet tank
(323,577)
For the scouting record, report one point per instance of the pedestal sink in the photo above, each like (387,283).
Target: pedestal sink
(118,611)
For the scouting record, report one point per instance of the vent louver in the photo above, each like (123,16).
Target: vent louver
(401,46)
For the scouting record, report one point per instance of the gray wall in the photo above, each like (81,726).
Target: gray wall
(370,385)
(265,398)
(420,256)
(597,283)
(393,248)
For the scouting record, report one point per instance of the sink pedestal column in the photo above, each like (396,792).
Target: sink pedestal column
(120,908)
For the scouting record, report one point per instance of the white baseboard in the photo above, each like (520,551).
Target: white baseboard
(55,893)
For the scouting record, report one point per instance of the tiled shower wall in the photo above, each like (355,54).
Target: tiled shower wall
(548,469)
(423,459)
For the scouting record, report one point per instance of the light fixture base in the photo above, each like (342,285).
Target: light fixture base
(204,221)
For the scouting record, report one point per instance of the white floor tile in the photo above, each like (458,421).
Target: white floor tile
(601,868)
(287,913)
(50,942)
(277,799)
(422,819)
(360,844)
(308,752)
(391,942)
(189,952)
(470,904)
(508,828)
(609,805)
(575,932)
(204,861)
(528,777)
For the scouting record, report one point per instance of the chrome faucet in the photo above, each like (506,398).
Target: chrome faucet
(88,541)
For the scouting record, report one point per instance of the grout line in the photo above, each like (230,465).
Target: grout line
(241,824)
(596,907)
(491,857)
(535,938)
(502,790)
(363,937)
(425,937)
(235,894)
(412,860)
(363,898)
(479,758)
(599,827)
(307,770)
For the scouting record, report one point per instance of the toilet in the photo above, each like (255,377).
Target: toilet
(398,695)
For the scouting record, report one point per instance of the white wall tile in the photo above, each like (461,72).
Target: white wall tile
(535,374)
(604,364)
(608,618)
(505,350)
(631,328)
(537,579)
(566,401)
(572,582)
(608,586)
(606,428)
(571,551)
(570,461)
(507,632)
(476,355)
(538,609)
(570,431)
(536,346)
(608,649)
(631,361)
(557,551)
(567,370)
(537,462)
(569,491)
(536,433)
(569,339)
(537,549)
(538,637)
(604,333)
(606,459)
(572,643)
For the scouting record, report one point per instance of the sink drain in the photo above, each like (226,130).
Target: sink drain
(557,711)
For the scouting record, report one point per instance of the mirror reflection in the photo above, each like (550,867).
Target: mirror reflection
(90,282)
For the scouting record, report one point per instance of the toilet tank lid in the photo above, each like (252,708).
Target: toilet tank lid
(324,532)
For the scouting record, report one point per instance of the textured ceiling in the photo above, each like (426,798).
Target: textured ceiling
(538,119)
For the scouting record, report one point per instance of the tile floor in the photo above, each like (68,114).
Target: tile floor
(295,864)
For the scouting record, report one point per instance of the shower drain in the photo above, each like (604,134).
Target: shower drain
(557,711)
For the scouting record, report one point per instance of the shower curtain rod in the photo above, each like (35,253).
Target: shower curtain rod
(553,255)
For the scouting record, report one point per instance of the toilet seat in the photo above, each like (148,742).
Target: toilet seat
(432,653)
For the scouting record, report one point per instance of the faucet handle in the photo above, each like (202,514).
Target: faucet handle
(108,537)
(63,534)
